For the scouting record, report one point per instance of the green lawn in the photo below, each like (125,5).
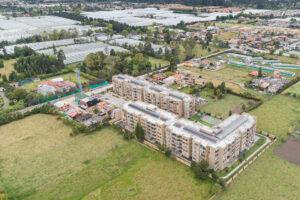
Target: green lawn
(221,107)
(284,59)
(277,115)
(198,51)
(158,61)
(186,90)
(39,160)
(1,101)
(8,67)
(270,177)
(67,77)
(295,89)
(227,35)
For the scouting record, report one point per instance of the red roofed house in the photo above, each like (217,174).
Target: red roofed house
(74,113)
(54,86)
(254,73)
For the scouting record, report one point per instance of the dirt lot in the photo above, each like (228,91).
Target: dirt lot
(290,150)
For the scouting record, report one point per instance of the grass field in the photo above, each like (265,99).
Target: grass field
(199,52)
(221,107)
(227,35)
(295,89)
(67,77)
(268,178)
(8,67)
(39,160)
(158,61)
(277,178)
(277,115)
(284,59)
(186,90)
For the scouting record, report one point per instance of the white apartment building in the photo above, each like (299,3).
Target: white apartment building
(220,145)
(173,101)
(153,120)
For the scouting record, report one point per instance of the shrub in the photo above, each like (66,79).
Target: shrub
(168,152)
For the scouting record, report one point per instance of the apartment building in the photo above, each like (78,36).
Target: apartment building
(173,101)
(220,145)
(153,120)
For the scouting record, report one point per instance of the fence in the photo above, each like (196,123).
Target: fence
(252,160)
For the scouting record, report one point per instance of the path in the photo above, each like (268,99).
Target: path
(249,158)
(5,100)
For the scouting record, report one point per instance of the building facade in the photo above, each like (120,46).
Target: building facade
(175,102)
(220,145)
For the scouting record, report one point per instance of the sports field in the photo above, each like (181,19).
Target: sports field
(39,160)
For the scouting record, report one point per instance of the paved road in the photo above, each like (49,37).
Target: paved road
(39,105)
(249,158)
(5,100)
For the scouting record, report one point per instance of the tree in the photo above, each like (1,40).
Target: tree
(201,170)
(139,132)
(19,94)
(260,72)
(125,33)
(4,78)
(1,64)
(168,152)
(230,113)
(172,66)
(272,51)
(280,53)
(112,52)
(243,107)
(61,56)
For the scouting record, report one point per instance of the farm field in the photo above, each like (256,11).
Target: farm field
(277,115)
(268,178)
(67,77)
(8,67)
(221,107)
(46,163)
(295,89)
(274,116)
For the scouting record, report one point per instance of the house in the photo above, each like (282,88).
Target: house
(84,117)
(15,84)
(54,86)
(74,113)
(178,76)
(62,106)
(2,89)
(89,103)
(254,73)
(200,81)
(159,76)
